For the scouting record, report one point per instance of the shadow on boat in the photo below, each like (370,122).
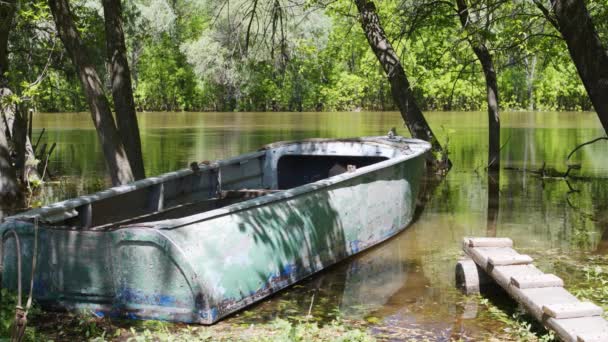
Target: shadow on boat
(379,276)
(312,231)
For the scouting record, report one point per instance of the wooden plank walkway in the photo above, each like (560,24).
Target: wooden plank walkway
(542,295)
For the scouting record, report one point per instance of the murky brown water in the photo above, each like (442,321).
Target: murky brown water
(407,282)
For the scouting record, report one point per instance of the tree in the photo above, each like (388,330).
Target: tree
(7,14)
(477,42)
(122,90)
(8,179)
(572,20)
(113,149)
(400,86)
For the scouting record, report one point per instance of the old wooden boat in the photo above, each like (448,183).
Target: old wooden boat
(198,244)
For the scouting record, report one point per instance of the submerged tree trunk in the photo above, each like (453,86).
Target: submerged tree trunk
(485,59)
(24,158)
(572,20)
(493,202)
(122,89)
(8,179)
(113,149)
(400,86)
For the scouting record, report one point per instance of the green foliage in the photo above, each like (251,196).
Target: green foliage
(8,301)
(187,55)
(85,327)
(304,331)
(517,326)
(166,80)
(595,286)
(7,311)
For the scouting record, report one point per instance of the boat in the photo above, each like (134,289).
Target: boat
(198,244)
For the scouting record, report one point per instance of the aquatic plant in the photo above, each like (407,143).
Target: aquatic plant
(517,325)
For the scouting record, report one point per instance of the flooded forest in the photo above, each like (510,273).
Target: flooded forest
(235,170)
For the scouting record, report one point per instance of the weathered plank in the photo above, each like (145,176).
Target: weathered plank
(542,295)
(481,255)
(488,242)
(506,260)
(593,337)
(536,281)
(572,310)
(535,299)
(503,274)
(570,329)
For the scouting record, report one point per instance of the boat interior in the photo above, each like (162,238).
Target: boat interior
(207,186)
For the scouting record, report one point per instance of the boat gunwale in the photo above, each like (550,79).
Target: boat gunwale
(287,194)
(71,204)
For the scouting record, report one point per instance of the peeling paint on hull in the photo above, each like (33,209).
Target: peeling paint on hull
(200,268)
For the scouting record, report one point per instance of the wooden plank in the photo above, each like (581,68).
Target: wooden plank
(482,254)
(542,295)
(504,260)
(503,274)
(536,281)
(488,242)
(572,310)
(548,295)
(593,337)
(570,329)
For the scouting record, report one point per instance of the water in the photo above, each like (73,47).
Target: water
(406,284)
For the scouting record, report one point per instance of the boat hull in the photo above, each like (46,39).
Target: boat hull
(200,271)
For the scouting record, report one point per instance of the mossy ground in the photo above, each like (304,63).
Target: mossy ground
(586,277)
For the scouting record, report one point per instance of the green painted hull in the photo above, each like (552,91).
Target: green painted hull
(202,267)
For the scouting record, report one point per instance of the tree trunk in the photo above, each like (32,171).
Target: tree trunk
(7,13)
(8,177)
(589,56)
(25,162)
(530,74)
(400,86)
(115,155)
(122,89)
(8,180)
(15,122)
(493,202)
(485,59)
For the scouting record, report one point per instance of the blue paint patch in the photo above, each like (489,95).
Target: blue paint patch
(165,300)
(214,314)
(210,315)
(288,270)
(128,295)
(355,246)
